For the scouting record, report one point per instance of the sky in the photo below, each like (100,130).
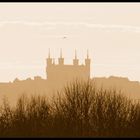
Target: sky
(110,31)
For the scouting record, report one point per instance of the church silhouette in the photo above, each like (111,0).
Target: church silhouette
(61,73)
(57,76)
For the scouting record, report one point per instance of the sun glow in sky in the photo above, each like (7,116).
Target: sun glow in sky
(110,31)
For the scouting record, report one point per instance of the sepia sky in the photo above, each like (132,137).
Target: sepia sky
(110,31)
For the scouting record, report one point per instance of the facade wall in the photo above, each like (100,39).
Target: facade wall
(61,74)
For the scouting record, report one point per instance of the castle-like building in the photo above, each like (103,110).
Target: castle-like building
(57,77)
(60,73)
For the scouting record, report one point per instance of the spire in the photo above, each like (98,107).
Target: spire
(87,54)
(87,60)
(75,60)
(75,54)
(49,59)
(61,53)
(49,53)
(61,59)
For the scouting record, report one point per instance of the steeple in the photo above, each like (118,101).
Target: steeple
(61,59)
(61,53)
(49,53)
(87,60)
(75,61)
(49,59)
(87,54)
(75,54)
(49,63)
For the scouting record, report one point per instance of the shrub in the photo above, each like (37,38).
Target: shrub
(79,110)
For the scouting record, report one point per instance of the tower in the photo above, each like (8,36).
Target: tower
(75,60)
(61,73)
(61,59)
(49,64)
(49,59)
(87,64)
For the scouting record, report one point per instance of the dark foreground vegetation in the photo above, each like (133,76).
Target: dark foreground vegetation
(80,110)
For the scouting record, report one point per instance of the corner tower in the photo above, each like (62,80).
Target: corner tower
(49,63)
(61,59)
(75,60)
(87,64)
(49,59)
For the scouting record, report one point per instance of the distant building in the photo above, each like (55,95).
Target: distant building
(37,78)
(61,73)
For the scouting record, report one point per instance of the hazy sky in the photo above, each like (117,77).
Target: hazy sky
(111,32)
